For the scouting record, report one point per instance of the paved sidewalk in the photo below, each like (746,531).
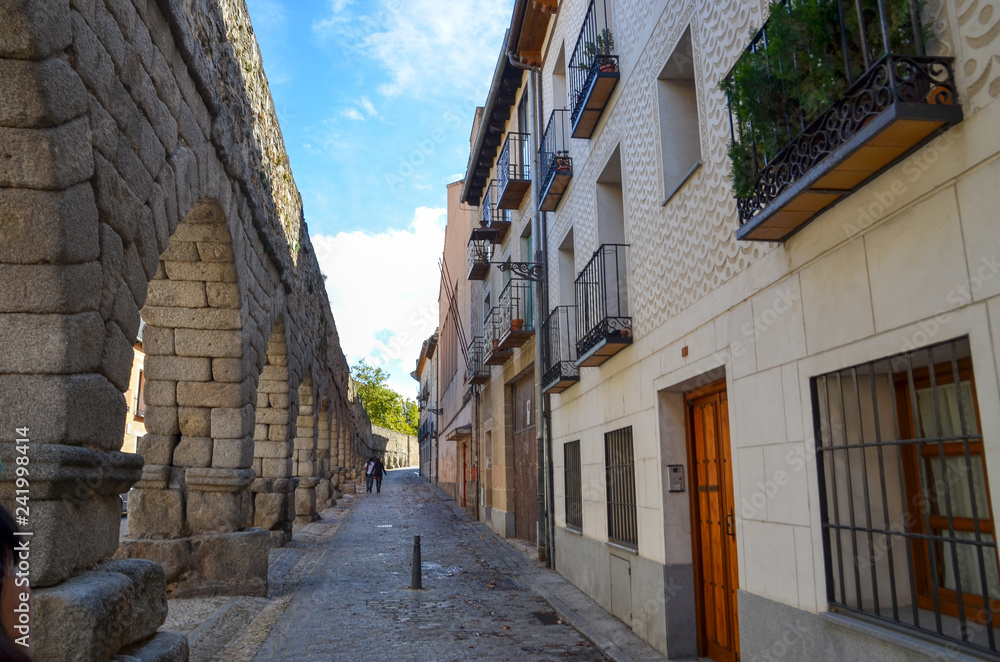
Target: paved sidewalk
(340,591)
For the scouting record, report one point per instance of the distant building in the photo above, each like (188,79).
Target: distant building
(135,416)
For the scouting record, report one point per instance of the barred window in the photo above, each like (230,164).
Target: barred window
(620,469)
(574,496)
(908,526)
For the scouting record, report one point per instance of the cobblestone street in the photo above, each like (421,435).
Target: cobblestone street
(340,591)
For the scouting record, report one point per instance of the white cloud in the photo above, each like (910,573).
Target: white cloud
(352,114)
(383,289)
(368,106)
(421,41)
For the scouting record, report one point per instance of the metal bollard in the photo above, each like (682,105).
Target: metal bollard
(416,580)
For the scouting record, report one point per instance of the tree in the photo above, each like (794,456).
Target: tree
(385,407)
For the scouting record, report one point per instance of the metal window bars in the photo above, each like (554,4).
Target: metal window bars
(555,166)
(593,55)
(880,60)
(559,350)
(574,485)
(908,532)
(602,312)
(513,170)
(620,472)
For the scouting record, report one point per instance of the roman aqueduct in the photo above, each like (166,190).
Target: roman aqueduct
(143,176)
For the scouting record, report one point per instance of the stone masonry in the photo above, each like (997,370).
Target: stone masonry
(143,175)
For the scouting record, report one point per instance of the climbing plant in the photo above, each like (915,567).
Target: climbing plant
(796,69)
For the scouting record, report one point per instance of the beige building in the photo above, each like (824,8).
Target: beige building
(135,416)
(773,417)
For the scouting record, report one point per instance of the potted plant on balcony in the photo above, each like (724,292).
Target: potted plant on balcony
(516,324)
(563,161)
(601,52)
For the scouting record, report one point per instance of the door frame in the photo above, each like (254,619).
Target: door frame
(716,387)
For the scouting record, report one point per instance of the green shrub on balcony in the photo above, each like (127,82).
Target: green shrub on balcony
(795,69)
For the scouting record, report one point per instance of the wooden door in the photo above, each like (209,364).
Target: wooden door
(525,461)
(714,524)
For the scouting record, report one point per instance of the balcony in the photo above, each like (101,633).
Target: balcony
(492,352)
(480,251)
(516,313)
(559,350)
(821,112)
(479,373)
(492,216)
(593,70)
(514,171)
(602,316)
(555,166)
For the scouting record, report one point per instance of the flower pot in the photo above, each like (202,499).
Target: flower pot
(496,344)
(608,68)
(516,324)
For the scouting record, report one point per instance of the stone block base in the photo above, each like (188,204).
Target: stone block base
(279,538)
(99,613)
(164,647)
(209,565)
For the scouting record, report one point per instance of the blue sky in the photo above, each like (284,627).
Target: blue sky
(375,100)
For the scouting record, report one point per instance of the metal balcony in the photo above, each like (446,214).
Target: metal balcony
(555,166)
(558,340)
(493,217)
(492,352)
(479,373)
(514,171)
(516,313)
(894,99)
(602,315)
(481,244)
(593,70)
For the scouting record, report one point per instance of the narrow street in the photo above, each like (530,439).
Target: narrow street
(340,591)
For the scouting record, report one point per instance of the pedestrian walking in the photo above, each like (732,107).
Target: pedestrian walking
(378,471)
(369,473)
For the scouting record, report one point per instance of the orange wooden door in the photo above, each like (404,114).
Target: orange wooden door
(525,461)
(714,530)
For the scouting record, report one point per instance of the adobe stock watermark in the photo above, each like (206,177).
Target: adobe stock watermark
(889,194)
(980,273)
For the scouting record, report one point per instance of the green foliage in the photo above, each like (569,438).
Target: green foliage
(385,407)
(801,72)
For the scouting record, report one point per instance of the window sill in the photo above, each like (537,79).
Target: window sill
(572,529)
(671,194)
(904,638)
(634,551)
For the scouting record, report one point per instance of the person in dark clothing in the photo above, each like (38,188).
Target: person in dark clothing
(377,473)
(369,476)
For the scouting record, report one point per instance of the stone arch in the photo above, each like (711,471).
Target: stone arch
(272,447)
(305,454)
(193,503)
(324,490)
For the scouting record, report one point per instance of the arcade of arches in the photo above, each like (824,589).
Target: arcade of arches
(143,176)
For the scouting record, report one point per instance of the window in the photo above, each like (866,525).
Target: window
(680,140)
(139,406)
(574,496)
(909,535)
(567,270)
(620,470)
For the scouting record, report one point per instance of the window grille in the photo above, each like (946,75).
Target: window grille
(574,492)
(908,530)
(619,463)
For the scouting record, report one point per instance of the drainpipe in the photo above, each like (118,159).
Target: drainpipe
(546,505)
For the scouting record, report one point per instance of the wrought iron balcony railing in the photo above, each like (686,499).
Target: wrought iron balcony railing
(602,315)
(817,113)
(555,166)
(493,353)
(516,305)
(492,216)
(481,244)
(593,69)
(558,339)
(514,170)
(479,372)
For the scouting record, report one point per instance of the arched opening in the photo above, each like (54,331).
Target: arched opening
(305,455)
(272,443)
